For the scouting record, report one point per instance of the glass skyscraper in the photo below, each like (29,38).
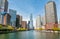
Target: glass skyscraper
(13,17)
(31,22)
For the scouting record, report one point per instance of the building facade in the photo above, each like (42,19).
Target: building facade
(3,9)
(28,25)
(20,20)
(3,5)
(51,15)
(6,6)
(43,20)
(38,22)
(24,24)
(7,18)
(13,17)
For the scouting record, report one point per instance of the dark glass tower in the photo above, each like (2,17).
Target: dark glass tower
(31,21)
(6,6)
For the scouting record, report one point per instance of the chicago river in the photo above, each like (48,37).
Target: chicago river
(30,35)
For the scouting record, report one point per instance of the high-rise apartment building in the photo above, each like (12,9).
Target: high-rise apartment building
(51,15)
(38,22)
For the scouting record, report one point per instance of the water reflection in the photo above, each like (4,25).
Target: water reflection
(52,36)
(30,35)
(13,36)
(39,35)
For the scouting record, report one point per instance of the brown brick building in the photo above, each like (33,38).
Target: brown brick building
(6,19)
(24,24)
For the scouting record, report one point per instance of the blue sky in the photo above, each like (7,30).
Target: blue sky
(36,7)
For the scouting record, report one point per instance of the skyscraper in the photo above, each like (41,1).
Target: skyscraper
(3,5)
(31,22)
(3,9)
(38,22)
(28,25)
(13,17)
(6,6)
(51,14)
(18,21)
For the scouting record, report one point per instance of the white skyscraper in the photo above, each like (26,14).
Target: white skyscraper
(38,22)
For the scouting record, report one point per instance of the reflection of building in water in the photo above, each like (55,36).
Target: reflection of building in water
(52,35)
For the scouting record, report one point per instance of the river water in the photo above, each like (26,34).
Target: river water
(30,35)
